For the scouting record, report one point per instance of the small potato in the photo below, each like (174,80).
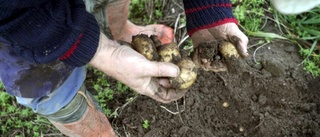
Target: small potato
(144,45)
(227,49)
(169,52)
(187,76)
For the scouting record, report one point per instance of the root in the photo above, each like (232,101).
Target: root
(255,51)
(178,110)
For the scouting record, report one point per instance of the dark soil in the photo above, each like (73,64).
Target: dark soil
(269,95)
(276,98)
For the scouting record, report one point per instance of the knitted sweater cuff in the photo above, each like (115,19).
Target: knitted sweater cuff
(85,47)
(48,31)
(204,14)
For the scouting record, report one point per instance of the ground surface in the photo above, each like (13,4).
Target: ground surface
(274,99)
(268,95)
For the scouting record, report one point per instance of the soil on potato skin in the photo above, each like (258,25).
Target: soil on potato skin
(274,97)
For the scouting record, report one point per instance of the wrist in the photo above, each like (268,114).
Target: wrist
(102,58)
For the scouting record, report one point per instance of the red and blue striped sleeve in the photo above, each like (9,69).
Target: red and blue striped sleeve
(204,14)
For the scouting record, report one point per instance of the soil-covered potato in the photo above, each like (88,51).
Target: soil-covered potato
(220,56)
(227,50)
(169,52)
(187,76)
(145,45)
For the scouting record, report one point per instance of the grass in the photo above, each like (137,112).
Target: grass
(303,29)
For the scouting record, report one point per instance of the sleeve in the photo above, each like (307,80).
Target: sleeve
(203,14)
(43,31)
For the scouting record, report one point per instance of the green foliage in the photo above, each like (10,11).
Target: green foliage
(145,124)
(311,62)
(305,27)
(145,11)
(16,120)
(105,91)
(301,27)
(249,13)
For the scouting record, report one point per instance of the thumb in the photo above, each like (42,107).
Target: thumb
(241,42)
(162,69)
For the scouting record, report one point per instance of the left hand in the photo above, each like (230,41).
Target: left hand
(218,33)
(134,70)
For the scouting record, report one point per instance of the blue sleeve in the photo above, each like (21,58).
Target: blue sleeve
(43,31)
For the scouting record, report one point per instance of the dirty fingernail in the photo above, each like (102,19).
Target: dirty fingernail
(245,54)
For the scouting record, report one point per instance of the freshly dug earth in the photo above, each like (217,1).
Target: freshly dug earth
(267,95)
(273,98)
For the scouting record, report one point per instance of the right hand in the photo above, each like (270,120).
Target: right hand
(134,70)
(218,33)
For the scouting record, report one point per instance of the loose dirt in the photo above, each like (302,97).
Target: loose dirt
(267,94)
(274,97)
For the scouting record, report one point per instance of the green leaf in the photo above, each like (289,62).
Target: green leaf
(313,20)
(265,35)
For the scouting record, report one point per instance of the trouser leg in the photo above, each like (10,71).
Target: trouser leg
(117,13)
(82,117)
(100,10)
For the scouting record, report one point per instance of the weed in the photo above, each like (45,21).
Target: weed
(104,90)
(17,120)
(301,29)
(249,13)
(145,124)
(146,11)
(304,29)
(312,61)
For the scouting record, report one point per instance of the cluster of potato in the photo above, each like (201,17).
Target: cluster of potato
(150,48)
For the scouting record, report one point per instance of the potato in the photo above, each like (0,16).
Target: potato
(231,58)
(144,45)
(227,50)
(187,76)
(169,52)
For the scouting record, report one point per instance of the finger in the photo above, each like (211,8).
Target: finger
(217,67)
(196,58)
(161,94)
(165,82)
(169,95)
(241,42)
(205,64)
(204,61)
(161,69)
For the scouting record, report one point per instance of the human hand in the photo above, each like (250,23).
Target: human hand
(218,33)
(134,70)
